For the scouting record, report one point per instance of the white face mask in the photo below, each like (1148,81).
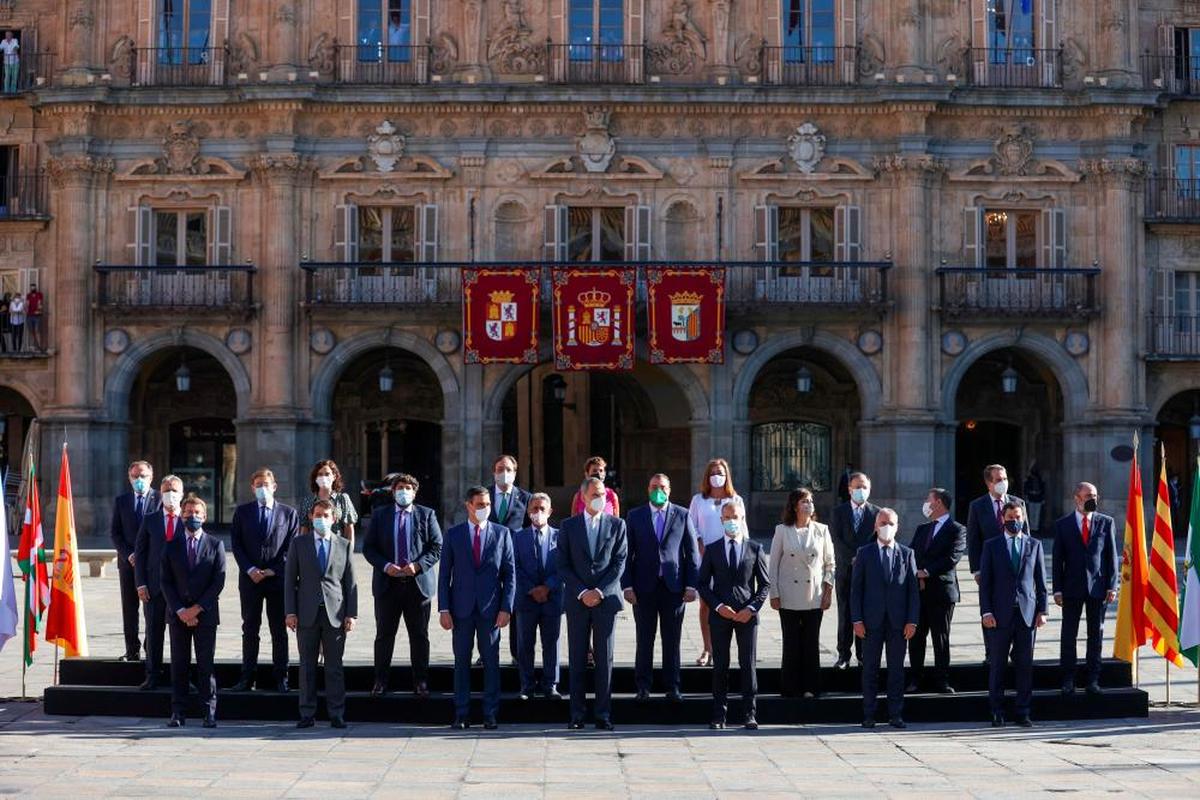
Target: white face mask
(927,510)
(806,507)
(481,514)
(860,495)
(264,494)
(324,481)
(171,499)
(1000,488)
(539,518)
(886,533)
(505,478)
(596,504)
(404,497)
(320,526)
(716,481)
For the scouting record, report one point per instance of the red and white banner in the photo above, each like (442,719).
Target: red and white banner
(686,312)
(500,316)
(593,318)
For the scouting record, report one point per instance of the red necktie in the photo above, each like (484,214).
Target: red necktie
(170,526)
(1087,531)
(477,548)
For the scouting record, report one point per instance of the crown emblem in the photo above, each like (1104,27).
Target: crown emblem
(594,298)
(501,297)
(686,298)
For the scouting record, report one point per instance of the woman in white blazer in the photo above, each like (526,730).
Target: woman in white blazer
(801,571)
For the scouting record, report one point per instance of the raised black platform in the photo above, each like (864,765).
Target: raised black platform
(102,687)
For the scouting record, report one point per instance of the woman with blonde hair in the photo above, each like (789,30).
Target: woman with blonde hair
(704,518)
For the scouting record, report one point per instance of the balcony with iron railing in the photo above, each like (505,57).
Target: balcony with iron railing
(1175,74)
(179,66)
(595,63)
(382,65)
(973,293)
(206,288)
(1173,337)
(1014,68)
(24,197)
(809,66)
(1170,199)
(33,70)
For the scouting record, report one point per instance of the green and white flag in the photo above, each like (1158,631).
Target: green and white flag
(1189,599)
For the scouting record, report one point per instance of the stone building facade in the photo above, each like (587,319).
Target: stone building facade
(922,205)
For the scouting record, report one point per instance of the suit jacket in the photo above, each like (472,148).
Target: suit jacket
(251,548)
(518,501)
(801,568)
(982,526)
(379,547)
(306,588)
(846,538)
(184,587)
(580,569)
(876,601)
(678,555)
(940,558)
(464,589)
(125,523)
(1004,593)
(747,588)
(529,573)
(151,539)
(1080,572)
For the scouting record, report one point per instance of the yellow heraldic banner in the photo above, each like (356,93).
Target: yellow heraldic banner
(64,623)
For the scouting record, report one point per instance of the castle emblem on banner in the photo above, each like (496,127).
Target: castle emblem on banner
(685,316)
(595,322)
(501,323)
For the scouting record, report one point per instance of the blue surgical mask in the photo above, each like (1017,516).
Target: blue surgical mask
(140,485)
(321,525)
(404,497)
(860,495)
(194,523)
(1013,525)
(264,494)
(731,527)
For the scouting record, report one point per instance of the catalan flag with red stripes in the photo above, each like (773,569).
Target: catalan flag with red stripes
(1131,619)
(1162,591)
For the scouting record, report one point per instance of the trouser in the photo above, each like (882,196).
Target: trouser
(1019,638)
(130,607)
(800,670)
(11,71)
(594,625)
(156,628)
(1072,609)
(934,622)
(254,596)
(723,633)
(469,632)
(845,630)
(878,639)
(18,335)
(514,646)
(663,609)
(310,641)
(203,638)
(545,620)
(35,330)
(402,600)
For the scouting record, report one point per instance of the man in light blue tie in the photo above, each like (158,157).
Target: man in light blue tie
(660,577)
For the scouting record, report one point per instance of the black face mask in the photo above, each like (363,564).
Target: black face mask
(1089,505)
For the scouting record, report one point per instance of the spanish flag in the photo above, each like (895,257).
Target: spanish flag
(1162,597)
(64,623)
(1131,619)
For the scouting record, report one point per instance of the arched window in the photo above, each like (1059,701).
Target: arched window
(682,224)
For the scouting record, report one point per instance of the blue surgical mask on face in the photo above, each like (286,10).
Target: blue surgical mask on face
(321,525)
(194,523)
(860,495)
(264,494)
(1013,525)
(140,485)
(731,527)
(404,497)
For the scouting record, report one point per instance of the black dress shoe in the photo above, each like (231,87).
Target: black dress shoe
(575,725)
(1025,722)
(642,696)
(210,721)
(489,724)
(244,685)
(1094,689)
(997,721)
(1068,689)
(478,661)
(898,722)
(525,694)
(912,688)
(148,684)
(751,724)
(177,721)
(553,694)
(379,689)
(945,688)
(306,722)
(422,689)
(675,697)
(337,722)
(868,723)
(604,725)
(460,724)
(130,657)
(281,686)
(716,725)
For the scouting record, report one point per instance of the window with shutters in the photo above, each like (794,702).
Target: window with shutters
(180,238)
(595,234)
(1010,240)
(1186,300)
(1187,58)
(806,235)
(596,22)
(786,455)
(1187,171)
(386,234)
(184,31)
(809,31)
(384,31)
(1010,33)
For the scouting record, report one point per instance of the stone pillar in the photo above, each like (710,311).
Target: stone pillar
(1117,42)
(472,69)
(80,42)
(721,65)
(907,40)
(284,47)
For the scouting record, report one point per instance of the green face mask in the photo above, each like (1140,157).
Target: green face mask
(658,497)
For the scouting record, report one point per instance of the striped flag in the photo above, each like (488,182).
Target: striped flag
(1131,619)
(32,558)
(1162,596)
(65,624)
(1189,600)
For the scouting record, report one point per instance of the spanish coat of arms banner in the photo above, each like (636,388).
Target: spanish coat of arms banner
(500,316)
(593,318)
(686,312)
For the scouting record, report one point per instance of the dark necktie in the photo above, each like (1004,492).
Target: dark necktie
(929,537)
(139,507)
(885,557)
(658,525)
(191,552)
(537,553)
(477,548)
(1000,514)
(733,559)
(322,556)
(1016,555)
(858,512)
(262,520)
(402,540)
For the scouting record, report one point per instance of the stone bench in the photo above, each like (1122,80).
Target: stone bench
(97,560)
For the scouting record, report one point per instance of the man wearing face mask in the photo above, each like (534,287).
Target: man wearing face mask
(129,510)
(475,600)
(1085,574)
(660,577)
(985,521)
(157,530)
(938,545)
(1012,601)
(853,526)
(885,606)
(509,503)
(403,545)
(261,533)
(193,575)
(539,598)
(592,548)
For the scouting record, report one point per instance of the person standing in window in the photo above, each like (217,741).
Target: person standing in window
(33,308)
(801,573)
(10,48)
(325,483)
(397,34)
(704,518)
(5,327)
(16,320)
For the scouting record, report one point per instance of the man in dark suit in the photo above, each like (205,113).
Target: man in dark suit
(157,529)
(475,599)
(193,575)
(734,582)
(938,545)
(129,509)
(509,508)
(852,525)
(660,577)
(403,545)
(1012,602)
(539,597)
(985,521)
(885,606)
(320,598)
(1085,575)
(261,533)
(592,548)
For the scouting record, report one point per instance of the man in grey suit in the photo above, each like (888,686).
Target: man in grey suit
(320,599)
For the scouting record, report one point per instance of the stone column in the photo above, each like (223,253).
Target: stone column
(80,42)
(284,47)
(721,64)
(1117,45)
(472,68)
(907,40)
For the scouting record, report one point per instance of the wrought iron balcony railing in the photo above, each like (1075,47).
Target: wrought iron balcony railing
(1014,68)
(179,66)
(809,66)
(1173,337)
(226,288)
(382,65)
(1177,74)
(33,70)
(970,292)
(1173,199)
(24,196)
(596,63)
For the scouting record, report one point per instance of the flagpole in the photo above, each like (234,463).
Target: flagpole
(1168,663)
(56,666)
